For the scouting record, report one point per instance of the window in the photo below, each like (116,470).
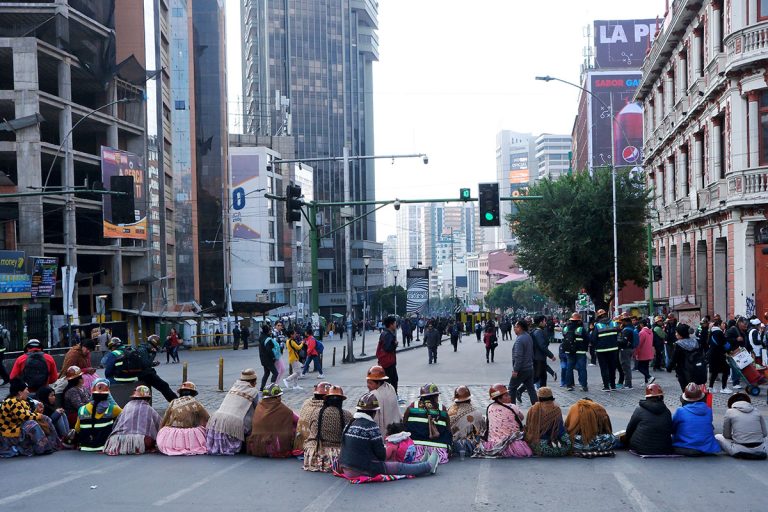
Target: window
(763,118)
(762,10)
(180,105)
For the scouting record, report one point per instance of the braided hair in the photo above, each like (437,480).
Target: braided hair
(331,401)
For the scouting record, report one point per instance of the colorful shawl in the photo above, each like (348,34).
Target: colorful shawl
(185,412)
(466,421)
(138,417)
(504,420)
(229,418)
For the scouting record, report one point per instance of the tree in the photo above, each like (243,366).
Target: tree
(501,296)
(566,238)
(384,300)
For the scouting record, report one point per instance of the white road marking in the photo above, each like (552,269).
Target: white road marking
(482,494)
(178,494)
(326,498)
(641,502)
(50,485)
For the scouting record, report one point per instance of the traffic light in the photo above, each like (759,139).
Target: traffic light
(488,195)
(656,273)
(465,194)
(293,203)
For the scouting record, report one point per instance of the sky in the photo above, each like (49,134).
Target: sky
(452,74)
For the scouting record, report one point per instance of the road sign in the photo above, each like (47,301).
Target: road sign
(583,301)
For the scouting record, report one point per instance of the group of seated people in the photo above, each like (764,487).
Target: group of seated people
(376,439)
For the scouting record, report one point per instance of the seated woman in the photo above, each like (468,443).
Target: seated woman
(467,422)
(80,355)
(274,426)
(504,435)
(544,428)
(76,394)
(20,430)
(308,411)
(429,424)
(136,428)
(744,429)
(398,443)
(692,432)
(230,425)
(182,431)
(58,417)
(323,445)
(649,431)
(96,419)
(590,429)
(362,448)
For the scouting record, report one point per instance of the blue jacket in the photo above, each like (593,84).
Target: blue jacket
(692,428)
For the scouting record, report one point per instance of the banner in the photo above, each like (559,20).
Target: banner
(617,122)
(11,262)
(417,286)
(124,216)
(68,275)
(43,276)
(622,43)
(14,286)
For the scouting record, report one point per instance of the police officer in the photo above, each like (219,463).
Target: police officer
(606,342)
(574,335)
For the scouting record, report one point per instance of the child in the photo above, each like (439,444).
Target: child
(400,448)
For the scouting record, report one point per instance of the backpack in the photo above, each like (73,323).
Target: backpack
(35,372)
(132,364)
(694,359)
(319,346)
(569,341)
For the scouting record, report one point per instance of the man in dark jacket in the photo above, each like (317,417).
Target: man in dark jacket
(540,351)
(267,346)
(386,351)
(522,362)
(649,431)
(687,358)
(605,339)
(575,338)
(432,337)
(736,335)
(658,342)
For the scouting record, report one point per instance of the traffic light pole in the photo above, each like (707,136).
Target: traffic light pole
(649,232)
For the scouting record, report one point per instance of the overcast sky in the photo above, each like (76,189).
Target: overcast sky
(451,74)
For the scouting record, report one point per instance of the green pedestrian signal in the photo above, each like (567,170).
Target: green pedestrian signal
(465,194)
(488,197)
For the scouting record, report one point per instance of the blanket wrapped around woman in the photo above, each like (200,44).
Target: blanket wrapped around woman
(505,433)
(183,428)
(545,431)
(135,430)
(590,429)
(230,425)
(274,429)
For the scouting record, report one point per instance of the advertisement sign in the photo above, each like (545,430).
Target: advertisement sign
(43,276)
(68,275)
(519,176)
(617,122)
(417,290)
(11,262)
(14,286)
(622,43)
(124,216)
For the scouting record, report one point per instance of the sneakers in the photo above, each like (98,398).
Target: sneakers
(592,364)
(286,385)
(619,386)
(628,387)
(570,388)
(434,460)
(607,390)
(727,391)
(320,376)
(585,389)
(651,380)
(298,387)
(737,386)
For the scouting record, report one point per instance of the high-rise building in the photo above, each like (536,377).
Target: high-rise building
(211,143)
(307,72)
(516,169)
(552,155)
(409,236)
(390,260)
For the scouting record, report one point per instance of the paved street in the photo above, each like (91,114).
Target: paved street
(246,483)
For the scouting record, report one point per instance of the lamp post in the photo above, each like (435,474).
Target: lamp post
(396,272)
(613,186)
(366,262)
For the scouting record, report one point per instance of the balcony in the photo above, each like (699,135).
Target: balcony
(749,186)
(710,197)
(746,46)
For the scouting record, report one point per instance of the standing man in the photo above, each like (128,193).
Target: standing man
(245,333)
(386,350)
(627,343)
(236,337)
(455,333)
(522,362)
(576,345)
(605,339)
(432,337)
(541,351)
(312,353)
(670,337)
(736,335)
(658,343)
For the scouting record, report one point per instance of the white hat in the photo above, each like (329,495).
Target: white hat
(755,321)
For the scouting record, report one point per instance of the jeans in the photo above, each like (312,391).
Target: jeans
(658,358)
(269,369)
(642,367)
(293,378)
(579,363)
(540,373)
(401,468)
(563,370)
(625,358)
(60,422)
(607,361)
(524,377)
(489,351)
(432,352)
(318,365)
(152,379)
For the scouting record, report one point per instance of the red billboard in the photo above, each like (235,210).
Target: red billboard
(617,122)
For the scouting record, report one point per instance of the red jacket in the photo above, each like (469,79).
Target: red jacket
(18,366)
(311,346)
(644,350)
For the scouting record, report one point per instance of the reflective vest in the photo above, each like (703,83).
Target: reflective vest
(607,337)
(418,426)
(581,343)
(119,367)
(94,431)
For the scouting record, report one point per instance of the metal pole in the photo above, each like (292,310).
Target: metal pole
(615,235)
(453,278)
(314,235)
(650,270)
(395,293)
(365,310)
(348,262)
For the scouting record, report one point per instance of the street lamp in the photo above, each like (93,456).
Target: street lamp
(548,78)
(366,262)
(396,272)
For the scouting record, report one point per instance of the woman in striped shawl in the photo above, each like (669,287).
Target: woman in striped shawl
(326,429)
(229,426)
(136,428)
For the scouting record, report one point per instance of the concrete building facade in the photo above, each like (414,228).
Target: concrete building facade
(552,155)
